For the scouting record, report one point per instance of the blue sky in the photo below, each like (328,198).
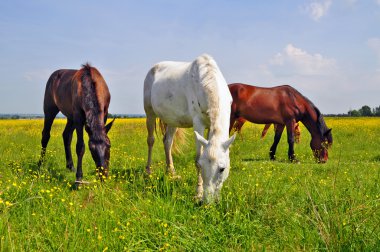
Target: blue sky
(327,49)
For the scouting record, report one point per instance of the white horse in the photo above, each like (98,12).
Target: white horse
(192,94)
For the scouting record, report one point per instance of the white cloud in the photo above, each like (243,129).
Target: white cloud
(296,61)
(317,10)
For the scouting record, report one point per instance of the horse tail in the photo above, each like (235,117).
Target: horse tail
(181,140)
(238,124)
(297,133)
(180,137)
(265,130)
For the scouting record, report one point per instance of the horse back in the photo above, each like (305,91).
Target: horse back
(58,92)
(64,91)
(167,89)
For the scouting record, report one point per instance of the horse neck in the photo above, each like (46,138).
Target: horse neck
(311,126)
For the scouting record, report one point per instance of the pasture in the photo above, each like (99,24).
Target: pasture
(265,205)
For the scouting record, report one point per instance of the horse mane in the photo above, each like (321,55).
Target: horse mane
(89,78)
(321,124)
(208,69)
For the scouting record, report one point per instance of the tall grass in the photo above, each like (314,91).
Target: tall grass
(265,205)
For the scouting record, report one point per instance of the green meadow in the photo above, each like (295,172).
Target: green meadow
(265,205)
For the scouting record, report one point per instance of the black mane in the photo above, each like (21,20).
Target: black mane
(321,125)
(94,126)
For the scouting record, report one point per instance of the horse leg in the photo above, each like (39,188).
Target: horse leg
(290,133)
(67,137)
(80,147)
(168,143)
(150,125)
(48,121)
(199,149)
(277,136)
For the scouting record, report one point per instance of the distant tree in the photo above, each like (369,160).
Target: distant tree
(376,111)
(365,111)
(354,113)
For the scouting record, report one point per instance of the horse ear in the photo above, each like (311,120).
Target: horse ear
(327,132)
(227,143)
(108,126)
(201,139)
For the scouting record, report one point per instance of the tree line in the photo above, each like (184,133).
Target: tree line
(365,111)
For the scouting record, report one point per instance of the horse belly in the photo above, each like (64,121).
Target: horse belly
(262,114)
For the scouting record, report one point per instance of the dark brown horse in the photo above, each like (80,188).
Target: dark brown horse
(83,97)
(282,106)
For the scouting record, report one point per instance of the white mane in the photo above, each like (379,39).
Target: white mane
(209,75)
(208,72)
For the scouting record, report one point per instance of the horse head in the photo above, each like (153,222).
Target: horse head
(215,165)
(100,145)
(320,146)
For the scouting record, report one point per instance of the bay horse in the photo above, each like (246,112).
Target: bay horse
(83,97)
(192,94)
(283,106)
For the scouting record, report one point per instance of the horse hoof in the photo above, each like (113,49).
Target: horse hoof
(198,198)
(148,170)
(81,182)
(295,161)
(175,177)
(172,174)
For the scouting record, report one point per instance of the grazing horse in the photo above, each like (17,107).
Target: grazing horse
(283,106)
(192,94)
(83,97)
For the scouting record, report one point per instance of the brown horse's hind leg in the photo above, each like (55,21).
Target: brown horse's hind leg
(80,147)
(67,137)
(277,136)
(290,133)
(48,121)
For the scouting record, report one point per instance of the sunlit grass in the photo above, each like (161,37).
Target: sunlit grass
(265,205)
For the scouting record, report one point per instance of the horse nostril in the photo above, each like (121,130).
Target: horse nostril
(221,170)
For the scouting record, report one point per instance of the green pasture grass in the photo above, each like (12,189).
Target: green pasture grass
(265,205)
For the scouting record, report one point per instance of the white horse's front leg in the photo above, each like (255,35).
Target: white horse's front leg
(168,143)
(199,150)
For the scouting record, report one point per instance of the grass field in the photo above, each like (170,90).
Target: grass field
(265,205)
